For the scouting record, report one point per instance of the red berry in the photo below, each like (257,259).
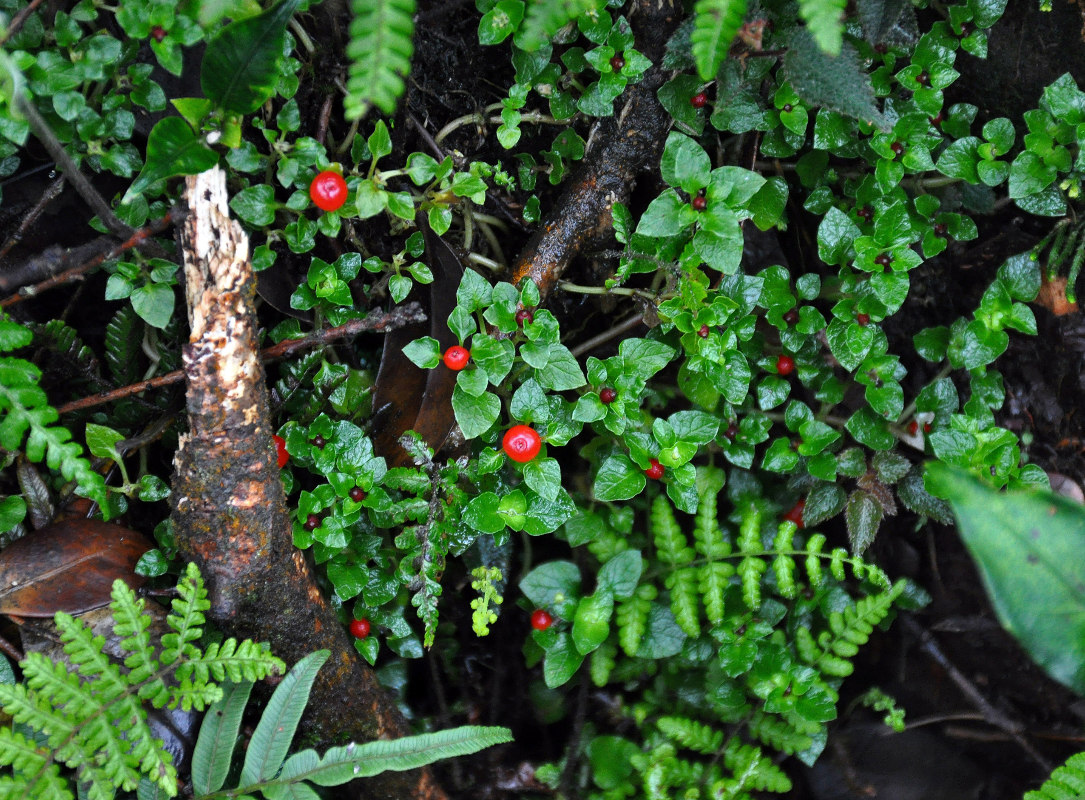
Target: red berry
(541,619)
(795,514)
(785,365)
(456,357)
(862,319)
(703,331)
(897,148)
(655,469)
(699,100)
(158,33)
(926,427)
(357,494)
(913,428)
(328,191)
(359,628)
(280,450)
(792,316)
(525,316)
(608,395)
(699,203)
(617,62)
(318,442)
(521,443)
(312,522)
(884,260)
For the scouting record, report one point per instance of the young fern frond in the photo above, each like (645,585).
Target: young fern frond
(632,618)
(777,733)
(752,769)
(123,335)
(715,24)
(544,18)
(691,734)
(380,49)
(1065,783)
(89,712)
(825,21)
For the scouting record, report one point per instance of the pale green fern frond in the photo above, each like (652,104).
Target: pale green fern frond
(825,21)
(715,24)
(1066,782)
(544,18)
(380,49)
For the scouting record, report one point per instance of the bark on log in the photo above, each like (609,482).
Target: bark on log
(229,511)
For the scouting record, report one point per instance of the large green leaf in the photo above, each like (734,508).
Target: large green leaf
(1030,549)
(241,65)
(173,148)
(218,737)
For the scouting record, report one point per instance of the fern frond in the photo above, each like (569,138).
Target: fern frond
(20,753)
(133,628)
(750,570)
(669,540)
(825,21)
(186,618)
(691,734)
(783,566)
(632,618)
(123,335)
(380,49)
(544,18)
(777,733)
(601,663)
(752,770)
(1066,782)
(851,628)
(685,603)
(715,24)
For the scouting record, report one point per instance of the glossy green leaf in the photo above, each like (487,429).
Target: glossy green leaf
(218,738)
(591,622)
(1030,550)
(173,149)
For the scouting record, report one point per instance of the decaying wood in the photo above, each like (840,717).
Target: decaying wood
(229,511)
(627,145)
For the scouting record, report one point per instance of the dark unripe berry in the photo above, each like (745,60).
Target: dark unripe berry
(866,212)
(884,260)
(699,100)
(608,395)
(541,619)
(318,442)
(923,79)
(525,316)
(703,331)
(617,62)
(359,628)
(787,108)
(732,430)
(158,33)
(699,203)
(785,365)
(357,494)
(863,319)
(655,469)
(897,148)
(940,229)
(312,522)
(792,316)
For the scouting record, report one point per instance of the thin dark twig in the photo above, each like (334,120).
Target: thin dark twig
(991,714)
(18,20)
(376,322)
(52,191)
(137,239)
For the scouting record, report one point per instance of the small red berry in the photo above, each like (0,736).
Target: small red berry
(795,514)
(521,443)
(617,62)
(328,191)
(359,628)
(655,469)
(608,395)
(312,522)
(318,442)
(785,365)
(862,318)
(158,33)
(456,357)
(699,100)
(792,316)
(926,427)
(897,148)
(699,203)
(913,428)
(884,260)
(357,494)
(280,450)
(541,619)
(703,331)
(525,316)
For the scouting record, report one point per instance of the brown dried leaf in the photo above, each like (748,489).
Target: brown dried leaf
(69,566)
(1052,296)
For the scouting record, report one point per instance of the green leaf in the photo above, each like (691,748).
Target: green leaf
(715,24)
(555,584)
(172,149)
(154,303)
(863,516)
(1029,547)
(380,48)
(256,204)
(591,623)
(475,415)
(102,441)
(619,575)
(618,479)
(561,662)
(218,738)
(340,765)
(240,68)
(275,730)
(838,83)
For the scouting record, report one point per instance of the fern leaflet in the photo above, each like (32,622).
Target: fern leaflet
(1066,782)
(544,18)
(714,27)
(824,20)
(380,49)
